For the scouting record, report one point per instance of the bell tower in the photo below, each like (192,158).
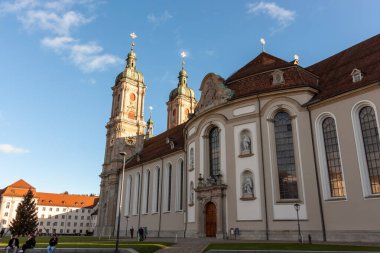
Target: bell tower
(182,100)
(125,132)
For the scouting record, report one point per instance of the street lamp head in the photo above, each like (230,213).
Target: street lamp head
(123,153)
(297,206)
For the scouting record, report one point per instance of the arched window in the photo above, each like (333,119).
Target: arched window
(147,188)
(371,142)
(136,195)
(179,184)
(214,152)
(128,195)
(286,166)
(168,187)
(333,162)
(192,161)
(156,193)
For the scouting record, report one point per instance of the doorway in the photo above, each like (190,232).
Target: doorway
(210,220)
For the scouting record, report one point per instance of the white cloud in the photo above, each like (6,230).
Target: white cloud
(283,16)
(58,19)
(86,49)
(100,62)
(16,6)
(9,149)
(53,22)
(88,57)
(157,20)
(57,43)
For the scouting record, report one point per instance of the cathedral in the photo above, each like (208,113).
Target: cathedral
(276,151)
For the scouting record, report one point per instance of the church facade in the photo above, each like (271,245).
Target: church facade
(272,145)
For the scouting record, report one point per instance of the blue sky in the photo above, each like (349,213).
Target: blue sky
(59,60)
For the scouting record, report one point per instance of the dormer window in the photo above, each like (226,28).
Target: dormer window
(278,77)
(357,75)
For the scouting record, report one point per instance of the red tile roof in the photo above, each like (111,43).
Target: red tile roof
(156,146)
(255,77)
(67,200)
(21,184)
(294,77)
(17,189)
(20,188)
(335,71)
(331,77)
(263,62)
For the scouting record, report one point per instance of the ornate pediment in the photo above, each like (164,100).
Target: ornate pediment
(213,92)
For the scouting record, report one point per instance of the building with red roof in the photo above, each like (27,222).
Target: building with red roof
(274,145)
(60,213)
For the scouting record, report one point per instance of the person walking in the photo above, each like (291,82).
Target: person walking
(13,245)
(52,244)
(132,230)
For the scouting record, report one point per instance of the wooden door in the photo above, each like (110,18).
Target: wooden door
(210,220)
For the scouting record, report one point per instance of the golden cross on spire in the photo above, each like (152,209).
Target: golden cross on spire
(183,55)
(133,36)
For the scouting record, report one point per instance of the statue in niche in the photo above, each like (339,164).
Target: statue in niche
(248,187)
(245,145)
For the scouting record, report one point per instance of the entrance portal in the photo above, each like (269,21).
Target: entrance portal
(210,219)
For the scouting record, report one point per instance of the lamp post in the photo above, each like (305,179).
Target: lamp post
(124,154)
(297,207)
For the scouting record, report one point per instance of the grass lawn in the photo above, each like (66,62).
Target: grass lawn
(288,246)
(92,242)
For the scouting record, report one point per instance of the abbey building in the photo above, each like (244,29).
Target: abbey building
(272,143)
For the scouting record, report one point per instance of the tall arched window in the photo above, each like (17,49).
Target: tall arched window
(168,187)
(286,166)
(179,184)
(137,194)
(156,190)
(334,167)
(214,148)
(128,196)
(371,142)
(147,189)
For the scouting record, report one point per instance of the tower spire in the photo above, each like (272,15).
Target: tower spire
(182,78)
(131,59)
(133,36)
(181,99)
(149,124)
